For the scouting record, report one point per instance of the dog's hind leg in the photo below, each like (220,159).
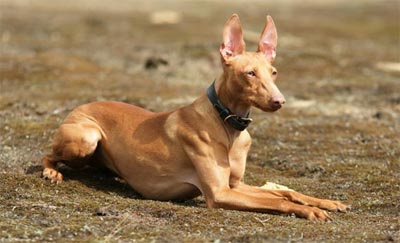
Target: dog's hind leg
(73,145)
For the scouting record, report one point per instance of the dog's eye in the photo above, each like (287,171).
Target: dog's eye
(274,72)
(251,73)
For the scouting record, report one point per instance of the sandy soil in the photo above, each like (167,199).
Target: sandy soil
(337,137)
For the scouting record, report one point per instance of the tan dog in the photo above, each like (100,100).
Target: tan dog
(197,149)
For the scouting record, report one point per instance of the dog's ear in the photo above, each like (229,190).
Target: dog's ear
(268,40)
(233,38)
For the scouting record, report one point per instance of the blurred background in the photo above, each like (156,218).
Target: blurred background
(337,136)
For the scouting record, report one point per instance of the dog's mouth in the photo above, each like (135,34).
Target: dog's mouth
(275,107)
(269,107)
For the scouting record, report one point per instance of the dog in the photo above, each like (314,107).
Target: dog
(197,149)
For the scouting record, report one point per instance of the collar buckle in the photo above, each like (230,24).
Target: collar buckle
(230,116)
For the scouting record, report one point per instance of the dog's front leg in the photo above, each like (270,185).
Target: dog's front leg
(219,195)
(295,197)
(213,174)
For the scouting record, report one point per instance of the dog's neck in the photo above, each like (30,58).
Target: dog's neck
(229,98)
(231,101)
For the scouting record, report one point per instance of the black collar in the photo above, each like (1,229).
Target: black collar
(235,121)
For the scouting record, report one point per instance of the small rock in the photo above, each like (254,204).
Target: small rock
(388,66)
(377,115)
(105,211)
(40,111)
(155,62)
(390,238)
(57,111)
(165,17)
(381,115)
(301,104)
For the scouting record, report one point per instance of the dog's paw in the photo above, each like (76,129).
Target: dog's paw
(53,175)
(314,213)
(334,206)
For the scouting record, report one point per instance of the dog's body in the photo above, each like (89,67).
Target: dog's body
(189,151)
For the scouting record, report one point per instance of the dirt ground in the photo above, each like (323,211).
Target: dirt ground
(337,137)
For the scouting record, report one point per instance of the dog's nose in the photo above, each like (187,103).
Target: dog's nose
(278,100)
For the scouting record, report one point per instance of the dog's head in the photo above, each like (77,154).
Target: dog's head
(251,74)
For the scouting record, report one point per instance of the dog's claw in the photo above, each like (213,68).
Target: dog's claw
(53,175)
(314,213)
(334,206)
(344,209)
